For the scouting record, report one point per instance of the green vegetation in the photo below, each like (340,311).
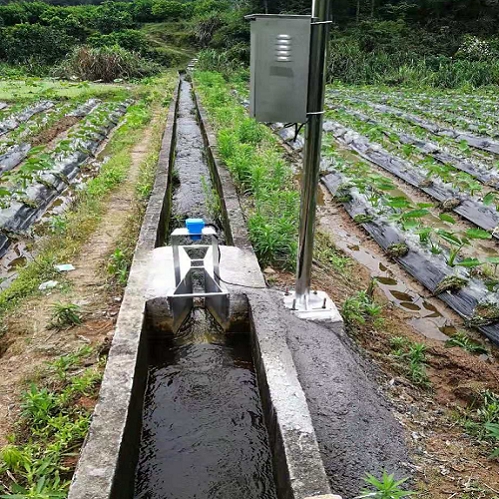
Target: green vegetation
(482,420)
(360,308)
(74,227)
(328,256)
(55,418)
(462,340)
(118,266)
(104,63)
(373,42)
(65,315)
(411,358)
(386,488)
(115,39)
(264,178)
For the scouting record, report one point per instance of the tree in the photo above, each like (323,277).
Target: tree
(167,10)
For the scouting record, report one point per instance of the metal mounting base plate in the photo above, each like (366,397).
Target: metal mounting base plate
(320,307)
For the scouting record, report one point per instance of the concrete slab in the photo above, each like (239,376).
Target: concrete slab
(354,424)
(320,307)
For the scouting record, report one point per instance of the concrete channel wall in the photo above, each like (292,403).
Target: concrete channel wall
(106,469)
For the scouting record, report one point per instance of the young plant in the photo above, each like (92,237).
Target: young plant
(493,434)
(328,255)
(118,266)
(412,358)
(360,308)
(462,340)
(62,365)
(65,315)
(451,283)
(386,488)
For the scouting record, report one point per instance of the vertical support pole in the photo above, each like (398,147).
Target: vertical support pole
(313,142)
(176,260)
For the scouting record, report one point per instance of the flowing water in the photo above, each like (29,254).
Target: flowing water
(203,433)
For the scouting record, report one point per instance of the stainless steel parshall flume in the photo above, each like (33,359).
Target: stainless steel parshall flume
(287,81)
(204,264)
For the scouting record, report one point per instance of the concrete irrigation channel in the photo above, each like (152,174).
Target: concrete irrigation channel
(252,404)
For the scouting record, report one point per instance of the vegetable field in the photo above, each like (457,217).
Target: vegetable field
(49,138)
(420,173)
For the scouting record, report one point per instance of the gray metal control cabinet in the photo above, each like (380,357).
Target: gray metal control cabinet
(280,52)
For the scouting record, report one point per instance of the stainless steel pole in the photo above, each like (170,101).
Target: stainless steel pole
(313,142)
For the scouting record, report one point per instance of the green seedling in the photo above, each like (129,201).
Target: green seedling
(493,434)
(37,404)
(65,315)
(386,488)
(462,340)
(64,364)
(482,419)
(118,266)
(456,241)
(58,224)
(398,345)
(412,357)
(328,255)
(450,284)
(484,314)
(397,250)
(360,308)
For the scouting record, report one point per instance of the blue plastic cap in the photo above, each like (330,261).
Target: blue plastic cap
(195,227)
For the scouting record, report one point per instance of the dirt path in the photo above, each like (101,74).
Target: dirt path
(28,342)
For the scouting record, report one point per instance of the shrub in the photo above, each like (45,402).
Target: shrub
(221,62)
(167,10)
(129,39)
(474,49)
(42,44)
(167,56)
(141,11)
(112,16)
(105,63)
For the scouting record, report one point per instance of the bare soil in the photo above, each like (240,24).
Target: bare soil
(46,136)
(29,342)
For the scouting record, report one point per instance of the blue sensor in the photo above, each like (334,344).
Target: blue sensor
(195,228)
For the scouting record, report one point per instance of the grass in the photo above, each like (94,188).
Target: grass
(118,267)
(65,315)
(360,308)
(264,178)
(481,421)
(31,88)
(462,340)
(54,421)
(77,225)
(121,259)
(411,357)
(385,488)
(328,256)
